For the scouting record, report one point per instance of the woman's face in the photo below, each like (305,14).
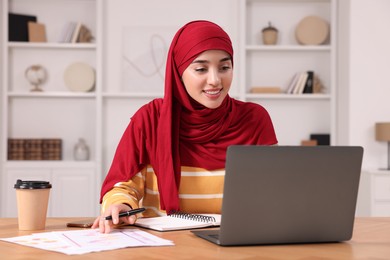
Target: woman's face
(208,78)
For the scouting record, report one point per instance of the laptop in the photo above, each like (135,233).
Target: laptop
(288,195)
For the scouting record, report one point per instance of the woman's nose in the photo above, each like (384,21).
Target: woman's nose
(213,78)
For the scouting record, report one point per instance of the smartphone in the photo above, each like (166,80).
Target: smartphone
(80,224)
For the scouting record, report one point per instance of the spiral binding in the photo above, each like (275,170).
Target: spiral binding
(194,217)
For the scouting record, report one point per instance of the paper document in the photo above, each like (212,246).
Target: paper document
(78,242)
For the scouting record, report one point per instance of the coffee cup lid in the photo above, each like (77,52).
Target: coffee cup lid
(32,185)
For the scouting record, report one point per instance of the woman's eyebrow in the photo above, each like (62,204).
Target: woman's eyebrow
(200,61)
(206,61)
(226,59)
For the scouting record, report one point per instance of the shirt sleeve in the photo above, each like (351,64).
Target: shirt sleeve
(130,192)
(130,157)
(266,129)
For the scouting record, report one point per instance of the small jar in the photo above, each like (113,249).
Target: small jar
(81,151)
(270,35)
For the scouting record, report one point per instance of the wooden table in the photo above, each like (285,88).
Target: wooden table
(371,240)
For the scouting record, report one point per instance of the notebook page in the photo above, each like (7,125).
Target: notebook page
(167,223)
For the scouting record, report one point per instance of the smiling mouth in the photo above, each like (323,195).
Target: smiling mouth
(212,92)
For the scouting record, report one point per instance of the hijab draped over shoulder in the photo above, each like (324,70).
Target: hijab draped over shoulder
(177,131)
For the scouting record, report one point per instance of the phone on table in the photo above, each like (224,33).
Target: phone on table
(80,224)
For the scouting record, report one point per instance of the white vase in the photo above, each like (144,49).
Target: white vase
(81,151)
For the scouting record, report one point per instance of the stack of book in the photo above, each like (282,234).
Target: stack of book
(75,32)
(266,90)
(302,83)
(25,28)
(34,149)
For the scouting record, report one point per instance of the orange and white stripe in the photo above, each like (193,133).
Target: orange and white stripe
(200,191)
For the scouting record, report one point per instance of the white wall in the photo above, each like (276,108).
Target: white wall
(363,70)
(119,15)
(365,66)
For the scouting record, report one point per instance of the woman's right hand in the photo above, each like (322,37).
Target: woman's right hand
(105,226)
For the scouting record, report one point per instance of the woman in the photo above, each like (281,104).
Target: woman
(172,155)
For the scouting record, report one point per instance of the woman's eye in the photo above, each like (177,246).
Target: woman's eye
(200,69)
(224,68)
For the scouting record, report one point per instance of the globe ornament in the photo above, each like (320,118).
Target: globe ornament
(36,75)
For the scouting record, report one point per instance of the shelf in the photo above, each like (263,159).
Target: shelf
(276,65)
(288,96)
(51,94)
(288,1)
(287,48)
(133,95)
(53,45)
(49,164)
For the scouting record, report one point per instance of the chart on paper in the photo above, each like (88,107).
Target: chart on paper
(77,242)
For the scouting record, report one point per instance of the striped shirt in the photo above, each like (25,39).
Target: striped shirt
(200,191)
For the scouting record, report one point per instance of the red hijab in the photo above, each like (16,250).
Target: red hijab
(177,131)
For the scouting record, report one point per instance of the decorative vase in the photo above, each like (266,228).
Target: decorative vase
(81,151)
(270,35)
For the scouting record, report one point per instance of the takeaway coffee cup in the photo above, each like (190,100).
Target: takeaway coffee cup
(32,199)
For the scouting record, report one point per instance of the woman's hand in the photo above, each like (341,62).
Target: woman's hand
(105,226)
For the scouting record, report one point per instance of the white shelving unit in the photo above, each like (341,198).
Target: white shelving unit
(374,193)
(295,117)
(27,114)
(101,116)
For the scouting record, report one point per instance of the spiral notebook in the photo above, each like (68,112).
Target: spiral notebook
(180,221)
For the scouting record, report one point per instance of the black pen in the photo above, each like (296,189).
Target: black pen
(128,213)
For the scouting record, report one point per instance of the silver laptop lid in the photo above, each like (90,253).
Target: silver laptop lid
(289,194)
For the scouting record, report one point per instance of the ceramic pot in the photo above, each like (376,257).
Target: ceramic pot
(270,35)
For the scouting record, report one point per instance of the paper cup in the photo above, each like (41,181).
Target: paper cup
(32,199)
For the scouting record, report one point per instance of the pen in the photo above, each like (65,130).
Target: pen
(128,213)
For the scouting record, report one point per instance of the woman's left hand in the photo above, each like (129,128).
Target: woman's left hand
(105,226)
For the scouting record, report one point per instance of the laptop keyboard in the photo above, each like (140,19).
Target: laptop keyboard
(216,236)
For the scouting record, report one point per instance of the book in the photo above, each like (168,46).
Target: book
(322,139)
(85,35)
(36,32)
(67,32)
(266,90)
(309,142)
(15,149)
(63,33)
(309,82)
(293,82)
(318,87)
(180,221)
(76,33)
(34,149)
(52,149)
(18,27)
(298,89)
